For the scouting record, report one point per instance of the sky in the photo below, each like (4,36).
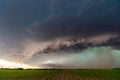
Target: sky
(60,33)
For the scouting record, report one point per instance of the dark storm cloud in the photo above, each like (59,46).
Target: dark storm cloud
(73,27)
(86,29)
(79,45)
(74,20)
(56,19)
(16,16)
(96,17)
(69,18)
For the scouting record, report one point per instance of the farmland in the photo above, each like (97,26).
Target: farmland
(59,74)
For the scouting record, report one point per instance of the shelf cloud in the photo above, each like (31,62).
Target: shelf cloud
(61,33)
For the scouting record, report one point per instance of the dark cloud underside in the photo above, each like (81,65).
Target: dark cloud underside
(90,28)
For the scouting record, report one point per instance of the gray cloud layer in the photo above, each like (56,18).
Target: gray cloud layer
(60,26)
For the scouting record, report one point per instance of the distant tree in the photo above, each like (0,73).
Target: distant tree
(20,68)
(117,68)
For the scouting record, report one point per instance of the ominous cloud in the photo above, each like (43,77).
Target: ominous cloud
(73,27)
(82,32)
(79,19)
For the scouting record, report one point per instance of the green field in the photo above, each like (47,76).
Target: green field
(98,74)
(59,74)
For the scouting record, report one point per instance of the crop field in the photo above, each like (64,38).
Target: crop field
(59,74)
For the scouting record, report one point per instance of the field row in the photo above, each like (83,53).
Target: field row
(59,74)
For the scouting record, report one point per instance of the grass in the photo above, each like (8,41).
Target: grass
(50,74)
(99,74)
(26,74)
